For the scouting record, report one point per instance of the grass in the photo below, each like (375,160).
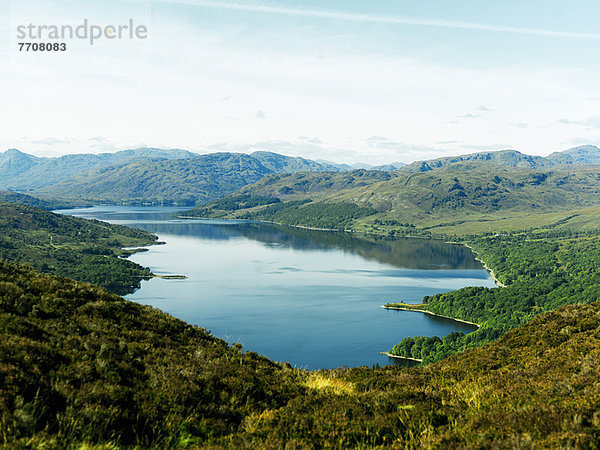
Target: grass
(321,381)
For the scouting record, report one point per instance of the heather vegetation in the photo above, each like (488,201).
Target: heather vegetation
(80,366)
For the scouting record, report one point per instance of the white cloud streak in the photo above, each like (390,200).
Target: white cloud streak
(373,18)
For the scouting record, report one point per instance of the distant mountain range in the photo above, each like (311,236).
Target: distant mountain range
(349,167)
(175,176)
(587,154)
(21,171)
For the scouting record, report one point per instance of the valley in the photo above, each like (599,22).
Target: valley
(79,363)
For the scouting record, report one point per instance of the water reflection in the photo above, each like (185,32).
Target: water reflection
(406,253)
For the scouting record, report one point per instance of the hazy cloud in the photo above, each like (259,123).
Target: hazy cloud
(487,147)
(52,141)
(260,115)
(103,144)
(589,123)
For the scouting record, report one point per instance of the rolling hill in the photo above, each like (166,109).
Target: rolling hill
(588,154)
(28,200)
(460,192)
(585,154)
(277,163)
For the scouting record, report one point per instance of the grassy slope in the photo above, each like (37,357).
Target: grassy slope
(78,364)
(465,191)
(461,199)
(67,246)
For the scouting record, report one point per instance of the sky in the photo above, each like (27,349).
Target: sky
(373,81)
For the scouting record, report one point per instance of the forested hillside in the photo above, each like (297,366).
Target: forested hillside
(541,270)
(85,250)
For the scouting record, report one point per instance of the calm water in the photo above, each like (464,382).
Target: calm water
(311,298)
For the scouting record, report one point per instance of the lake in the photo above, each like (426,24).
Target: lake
(311,298)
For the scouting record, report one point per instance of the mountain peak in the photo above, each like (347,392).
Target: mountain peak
(583,154)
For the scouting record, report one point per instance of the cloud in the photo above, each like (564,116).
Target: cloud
(446,142)
(103,144)
(260,115)
(382,142)
(577,141)
(52,141)
(377,139)
(313,140)
(520,124)
(475,115)
(487,147)
(373,18)
(589,123)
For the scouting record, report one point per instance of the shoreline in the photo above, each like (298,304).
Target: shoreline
(400,308)
(406,358)
(485,266)
(270,222)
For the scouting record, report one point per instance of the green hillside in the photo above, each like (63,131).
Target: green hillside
(468,189)
(464,198)
(85,250)
(314,185)
(81,366)
(28,200)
